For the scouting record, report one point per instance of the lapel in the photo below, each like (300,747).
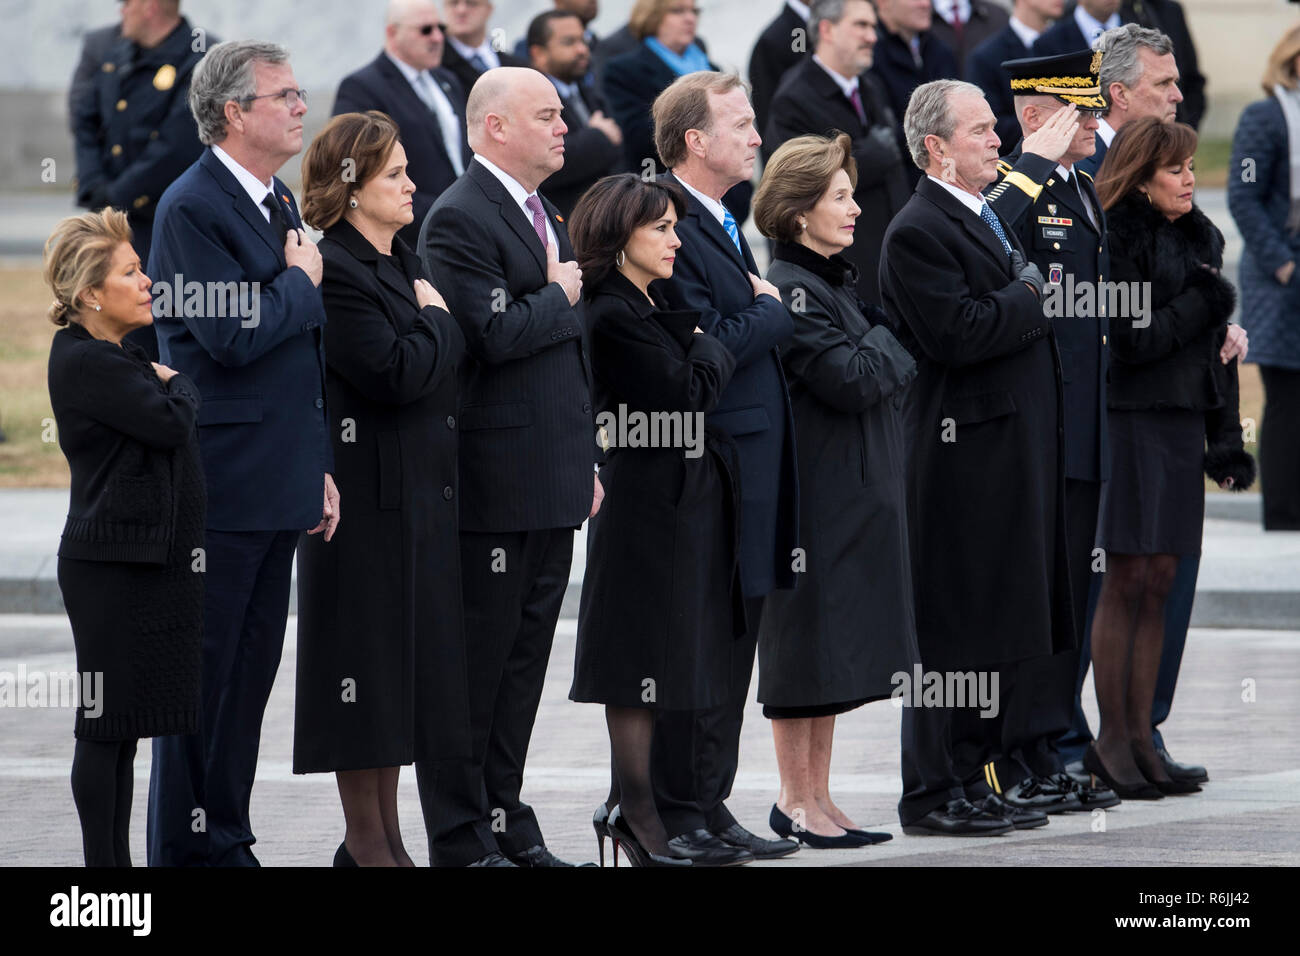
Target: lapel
(975,227)
(1067,195)
(511,214)
(359,247)
(829,90)
(709,226)
(243,203)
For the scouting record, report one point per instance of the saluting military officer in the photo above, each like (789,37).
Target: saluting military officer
(1053,207)
(134,131)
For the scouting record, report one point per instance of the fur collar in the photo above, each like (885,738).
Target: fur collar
(1135,222)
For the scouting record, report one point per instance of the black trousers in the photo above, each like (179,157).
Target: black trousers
(1279,448)
(695,753)
(1041,702)
(201,784)
(513,584)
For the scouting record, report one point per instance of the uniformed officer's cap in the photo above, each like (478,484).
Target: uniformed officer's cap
(1071,78)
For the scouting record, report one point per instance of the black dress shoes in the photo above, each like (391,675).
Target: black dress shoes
(737,836)
(1181,772)
(959,818)
(704,849)
(492,859)
(1092,795)
(540,856)
(1143,791)
(1021,818)
(342,857)
(1044,794)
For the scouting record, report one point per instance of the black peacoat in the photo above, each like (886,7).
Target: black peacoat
(849,626)
(986,483)
(381,653)
(661,600)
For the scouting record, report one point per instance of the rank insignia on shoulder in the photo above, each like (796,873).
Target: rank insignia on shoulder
(165,77)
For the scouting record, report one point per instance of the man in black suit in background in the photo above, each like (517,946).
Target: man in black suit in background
(593,146)
(426,101)
(586,11)
(985,488)
(783,43)
(705,137)
(500,254)
(962,25)
(832,90)
(1029,19)
(471,50)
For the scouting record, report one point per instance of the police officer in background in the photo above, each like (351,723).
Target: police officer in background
(133,130)
(1052,206)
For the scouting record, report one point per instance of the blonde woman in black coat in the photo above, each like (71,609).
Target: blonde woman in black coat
(835,641)
(381,653)
(127,559)
(1173,413)
(661,601)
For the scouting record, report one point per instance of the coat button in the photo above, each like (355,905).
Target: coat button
(451,421)
(121,105)
(140,202)
(116,150)
(320,403)
(586,407)
(1056,245)
(447,493)
(1103,340)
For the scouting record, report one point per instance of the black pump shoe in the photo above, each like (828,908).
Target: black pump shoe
(600,823)
(1144,791)
(783,825)
(624,839)
(342,857)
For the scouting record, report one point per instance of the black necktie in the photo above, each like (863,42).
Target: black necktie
(278,223)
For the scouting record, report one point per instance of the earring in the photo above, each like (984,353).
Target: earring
(352,203)
(619,259)
(99,308)
(802,226)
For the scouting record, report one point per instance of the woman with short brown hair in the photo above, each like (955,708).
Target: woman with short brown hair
(127,559)
(834,642)
(1172,399)
(381,654)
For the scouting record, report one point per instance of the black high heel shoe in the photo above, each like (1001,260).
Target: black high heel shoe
(600,823)
(623,837)
(1144,791)
(1170,787)
(342,857)
(783,826)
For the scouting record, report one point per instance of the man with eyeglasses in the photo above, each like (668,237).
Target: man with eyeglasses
(471,49)
(229,226)
(424,99)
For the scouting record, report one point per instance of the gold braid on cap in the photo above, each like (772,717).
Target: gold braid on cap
(1080,84)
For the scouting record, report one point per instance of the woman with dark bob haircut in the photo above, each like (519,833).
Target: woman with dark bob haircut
(834,642)
(1172,399)
(661,601)
(381,653)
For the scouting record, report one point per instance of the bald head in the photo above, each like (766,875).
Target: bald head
(400,11)
(404,36)
(513,116)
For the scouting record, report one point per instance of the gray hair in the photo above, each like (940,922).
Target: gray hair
(929,113)
(1119,54)
(225,74)
(819,10)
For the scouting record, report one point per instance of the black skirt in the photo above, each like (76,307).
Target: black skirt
(1154,502)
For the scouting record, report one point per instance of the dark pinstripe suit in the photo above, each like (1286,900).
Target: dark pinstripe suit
(526,453)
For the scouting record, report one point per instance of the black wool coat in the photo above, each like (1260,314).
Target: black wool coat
(380,604)
(661,600)
(809,101)
(1170,358)
(849,625)
(986,484)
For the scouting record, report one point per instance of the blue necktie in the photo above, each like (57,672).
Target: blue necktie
(729,224)
(987,215)
(476,60)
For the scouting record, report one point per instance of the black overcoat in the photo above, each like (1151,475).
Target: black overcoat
(986,474)
(661,600)
(380,604)
(849,626)
(809,101)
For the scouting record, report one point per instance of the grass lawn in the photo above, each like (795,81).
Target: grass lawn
(26,461)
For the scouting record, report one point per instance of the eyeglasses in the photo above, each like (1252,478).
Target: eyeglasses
(291,98)
(428,28)
(683,11)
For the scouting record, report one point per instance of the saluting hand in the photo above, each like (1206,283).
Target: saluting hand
(1053,138)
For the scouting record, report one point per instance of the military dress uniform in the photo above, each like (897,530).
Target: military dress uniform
(1058,217)
(134,132)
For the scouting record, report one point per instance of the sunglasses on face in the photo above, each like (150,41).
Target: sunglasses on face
(428,28)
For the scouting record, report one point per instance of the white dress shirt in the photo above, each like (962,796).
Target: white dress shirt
(431,94)
(1065,178)
(714,206)
(945,7)
(520,195)
(971,202)
(1091,27)
(1105,130)
(256,189)
(1027,34)
(847,87)
(484,50)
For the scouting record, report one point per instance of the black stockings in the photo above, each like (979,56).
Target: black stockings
(631,730)
(102,784)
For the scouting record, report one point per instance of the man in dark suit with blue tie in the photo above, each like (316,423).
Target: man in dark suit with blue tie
(501,257)
(244,323)
(426,101)
(1029,19)
(705,137)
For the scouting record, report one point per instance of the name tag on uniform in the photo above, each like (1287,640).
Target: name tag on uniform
(1049,233)
(1054,221)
